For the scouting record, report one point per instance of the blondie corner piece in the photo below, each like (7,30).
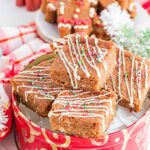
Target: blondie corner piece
(35,89)
(84,114)
(130,80)
(82,62)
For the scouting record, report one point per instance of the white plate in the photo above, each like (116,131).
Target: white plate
(49,31)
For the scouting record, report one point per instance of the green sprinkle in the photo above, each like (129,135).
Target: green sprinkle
(36,87)
(84,106)
(91,113)
(126,75)
(98,59)
(82,51)
(67,104)
(92,102)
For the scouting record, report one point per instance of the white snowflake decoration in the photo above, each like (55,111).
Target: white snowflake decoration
(3,118)
(121,29)
(3,102)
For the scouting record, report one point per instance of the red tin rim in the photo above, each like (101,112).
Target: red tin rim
(37,126)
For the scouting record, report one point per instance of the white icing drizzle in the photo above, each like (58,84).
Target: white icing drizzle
(75,16)
(33,81)
(135,74)
(119,74)
(42,91)
(132,6)
(139,77)
(62,8)
(92,12)
(130,89)
(82,105)
(77,10)
(101,53)
(41,67)
(95,2)
(40,88)
(62,25)
(81,27)
(79,57)
(51,6)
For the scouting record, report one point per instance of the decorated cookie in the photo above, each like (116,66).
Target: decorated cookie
(74,16)
(129,5)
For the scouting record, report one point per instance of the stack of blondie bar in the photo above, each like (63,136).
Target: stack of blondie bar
(80,89)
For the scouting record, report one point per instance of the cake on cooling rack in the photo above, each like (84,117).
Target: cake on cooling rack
(84,114)
(81,16)
(85,63)
(130,80)
(35,89)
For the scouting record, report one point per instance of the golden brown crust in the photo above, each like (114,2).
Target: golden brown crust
(134,78)
(36,89)
(94,81)
(90,119)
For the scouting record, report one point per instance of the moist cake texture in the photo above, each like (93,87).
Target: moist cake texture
(84,114)
(82,62)
(130,80)
(35,88)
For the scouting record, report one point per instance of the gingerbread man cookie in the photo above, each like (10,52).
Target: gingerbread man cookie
(74,16)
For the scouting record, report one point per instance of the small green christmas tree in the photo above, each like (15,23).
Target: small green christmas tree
(121,29)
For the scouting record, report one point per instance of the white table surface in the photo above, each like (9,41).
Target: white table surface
(10,15)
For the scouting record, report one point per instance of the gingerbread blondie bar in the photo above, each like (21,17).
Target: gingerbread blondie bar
(35,89)
(83,114)
(82,62)
(74,16)
(130,80)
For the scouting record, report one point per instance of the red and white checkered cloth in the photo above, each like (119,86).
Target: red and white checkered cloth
(17,45)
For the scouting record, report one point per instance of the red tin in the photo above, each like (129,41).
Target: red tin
(7,110)
(8,128)
(31,136)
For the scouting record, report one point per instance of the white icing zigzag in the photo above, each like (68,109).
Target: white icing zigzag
(81,56)
(136,74)
(37,76)
(81,105)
